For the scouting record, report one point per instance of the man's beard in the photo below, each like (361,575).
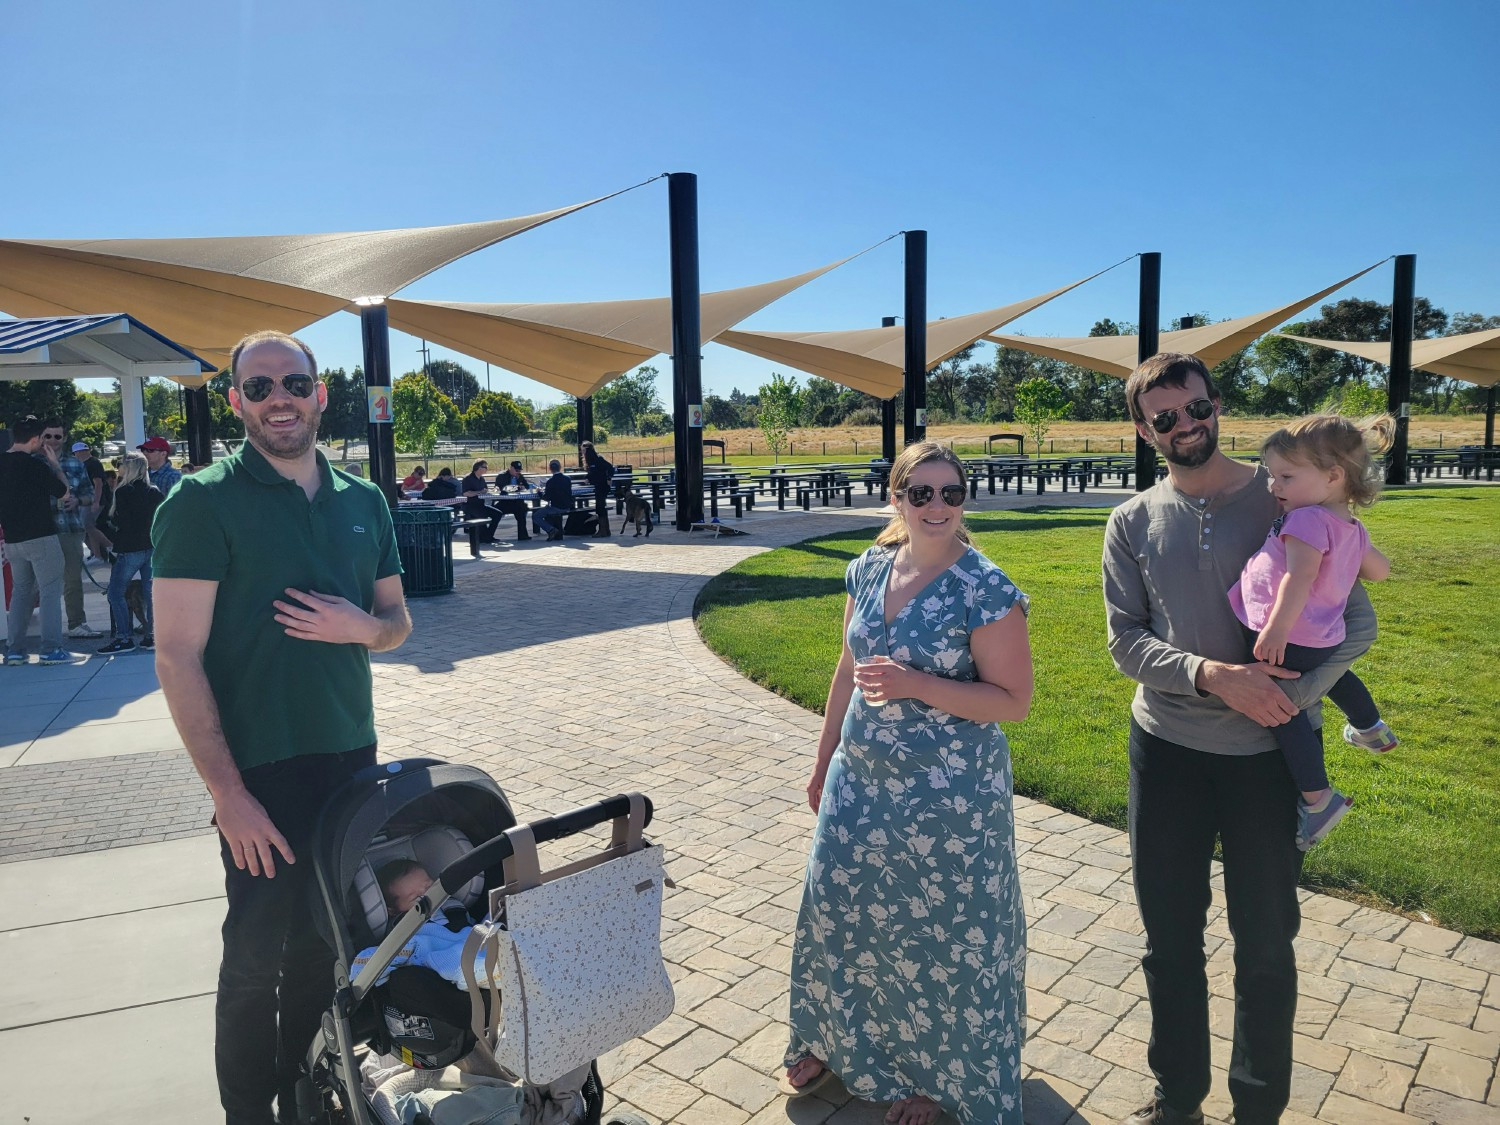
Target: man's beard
(1198,454)
(285,444)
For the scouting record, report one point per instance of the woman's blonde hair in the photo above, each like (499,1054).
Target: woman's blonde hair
(1331,441)
(133,467)
(895,531)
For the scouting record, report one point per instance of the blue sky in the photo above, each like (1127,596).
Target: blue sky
(1264,149)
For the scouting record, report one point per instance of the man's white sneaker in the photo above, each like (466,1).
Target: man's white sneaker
(85,632)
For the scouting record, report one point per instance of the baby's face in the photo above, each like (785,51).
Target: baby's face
(405,891)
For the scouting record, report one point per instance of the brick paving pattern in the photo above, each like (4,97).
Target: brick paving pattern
(577,673)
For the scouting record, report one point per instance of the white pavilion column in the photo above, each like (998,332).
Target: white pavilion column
(132,410)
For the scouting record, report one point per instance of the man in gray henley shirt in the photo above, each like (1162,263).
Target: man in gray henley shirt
(1203,760)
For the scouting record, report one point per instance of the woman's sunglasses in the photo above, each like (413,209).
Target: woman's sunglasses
(258,388)
(919,495)
(1166,421)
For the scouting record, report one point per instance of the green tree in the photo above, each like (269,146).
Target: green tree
(417,414)
(1039,403)
(455,381)
(495,416)
(780,411)
(722,414)
(1355,400)
(346,418)
(653,422)
(621,402)
(96,433)
(46,398)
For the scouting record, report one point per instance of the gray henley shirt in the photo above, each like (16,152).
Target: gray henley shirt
(1169,561)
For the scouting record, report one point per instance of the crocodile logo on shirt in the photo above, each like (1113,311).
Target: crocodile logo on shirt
(359,529)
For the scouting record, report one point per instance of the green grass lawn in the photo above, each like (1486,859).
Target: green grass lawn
(1425,831)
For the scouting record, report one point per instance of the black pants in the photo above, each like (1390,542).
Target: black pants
(483,511)
(275,963)
(1299,742)
(601,510)
(515,508)
(1181,800)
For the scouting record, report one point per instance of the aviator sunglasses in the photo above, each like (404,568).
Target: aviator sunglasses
(1165,421)
(258,388)
(920,494)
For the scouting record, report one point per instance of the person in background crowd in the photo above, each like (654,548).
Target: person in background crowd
(30,480)
(558,494)
(601,476)
(415,481)
(513,480)
(85,454)
(130,514)
(69,513)
(442,487)
(158,451)
(476,489)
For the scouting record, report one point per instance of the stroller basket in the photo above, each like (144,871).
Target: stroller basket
(433,812)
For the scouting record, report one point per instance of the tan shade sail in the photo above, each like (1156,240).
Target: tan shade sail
(872,359)
(577,348)
(1473,357)
(208,292)
(1212,343)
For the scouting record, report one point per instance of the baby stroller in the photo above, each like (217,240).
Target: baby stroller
(433,812)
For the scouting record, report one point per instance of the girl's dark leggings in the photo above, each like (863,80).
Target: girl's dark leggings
(1299,743)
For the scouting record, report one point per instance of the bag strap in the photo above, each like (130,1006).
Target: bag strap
(486,1032)
(627,829)
(522,868)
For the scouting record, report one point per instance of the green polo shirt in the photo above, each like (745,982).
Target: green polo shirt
(242,524)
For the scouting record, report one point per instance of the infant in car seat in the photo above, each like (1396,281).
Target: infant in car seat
(434,946)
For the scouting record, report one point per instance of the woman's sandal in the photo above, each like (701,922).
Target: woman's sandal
(817,1082)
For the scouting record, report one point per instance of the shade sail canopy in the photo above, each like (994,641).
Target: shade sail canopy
(1212,343)
(577,348)
(209,292)
(873,359)
(1473,357)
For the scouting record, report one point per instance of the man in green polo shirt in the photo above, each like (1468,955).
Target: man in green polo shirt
(275,577)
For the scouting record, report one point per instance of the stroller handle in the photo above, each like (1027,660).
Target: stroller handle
(499,849)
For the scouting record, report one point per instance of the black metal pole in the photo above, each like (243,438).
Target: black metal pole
(1489,417)
(1147,345)
(888,413)
(1398,382)
(199,419)
(687,362)
(585,423)
(374,325)
(915,412)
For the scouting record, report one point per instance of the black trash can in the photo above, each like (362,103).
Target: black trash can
(424,539)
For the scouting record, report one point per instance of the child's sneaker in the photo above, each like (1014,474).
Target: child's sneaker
(1313,826)
(1377,740)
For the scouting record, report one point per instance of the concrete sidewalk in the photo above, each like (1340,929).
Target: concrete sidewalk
(112,875)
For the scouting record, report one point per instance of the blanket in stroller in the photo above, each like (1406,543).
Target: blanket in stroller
(434,947)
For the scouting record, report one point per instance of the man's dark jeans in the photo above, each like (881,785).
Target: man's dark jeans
(272,950)
(1181,800)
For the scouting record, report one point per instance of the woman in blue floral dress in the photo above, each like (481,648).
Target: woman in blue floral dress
(907,972)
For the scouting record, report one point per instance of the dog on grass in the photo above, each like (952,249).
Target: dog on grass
(638,512)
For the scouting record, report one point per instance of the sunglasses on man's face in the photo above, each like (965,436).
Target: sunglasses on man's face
(52,437)
(920,495)
(1165,421)
(258,388)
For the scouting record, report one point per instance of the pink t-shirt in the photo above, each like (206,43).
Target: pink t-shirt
(1343,545)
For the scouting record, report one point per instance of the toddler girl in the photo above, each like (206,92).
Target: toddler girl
(1292,592)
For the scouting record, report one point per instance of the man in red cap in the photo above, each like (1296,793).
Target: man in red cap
(158,451)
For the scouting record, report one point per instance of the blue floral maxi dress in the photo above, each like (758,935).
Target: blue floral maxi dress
(908,966)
